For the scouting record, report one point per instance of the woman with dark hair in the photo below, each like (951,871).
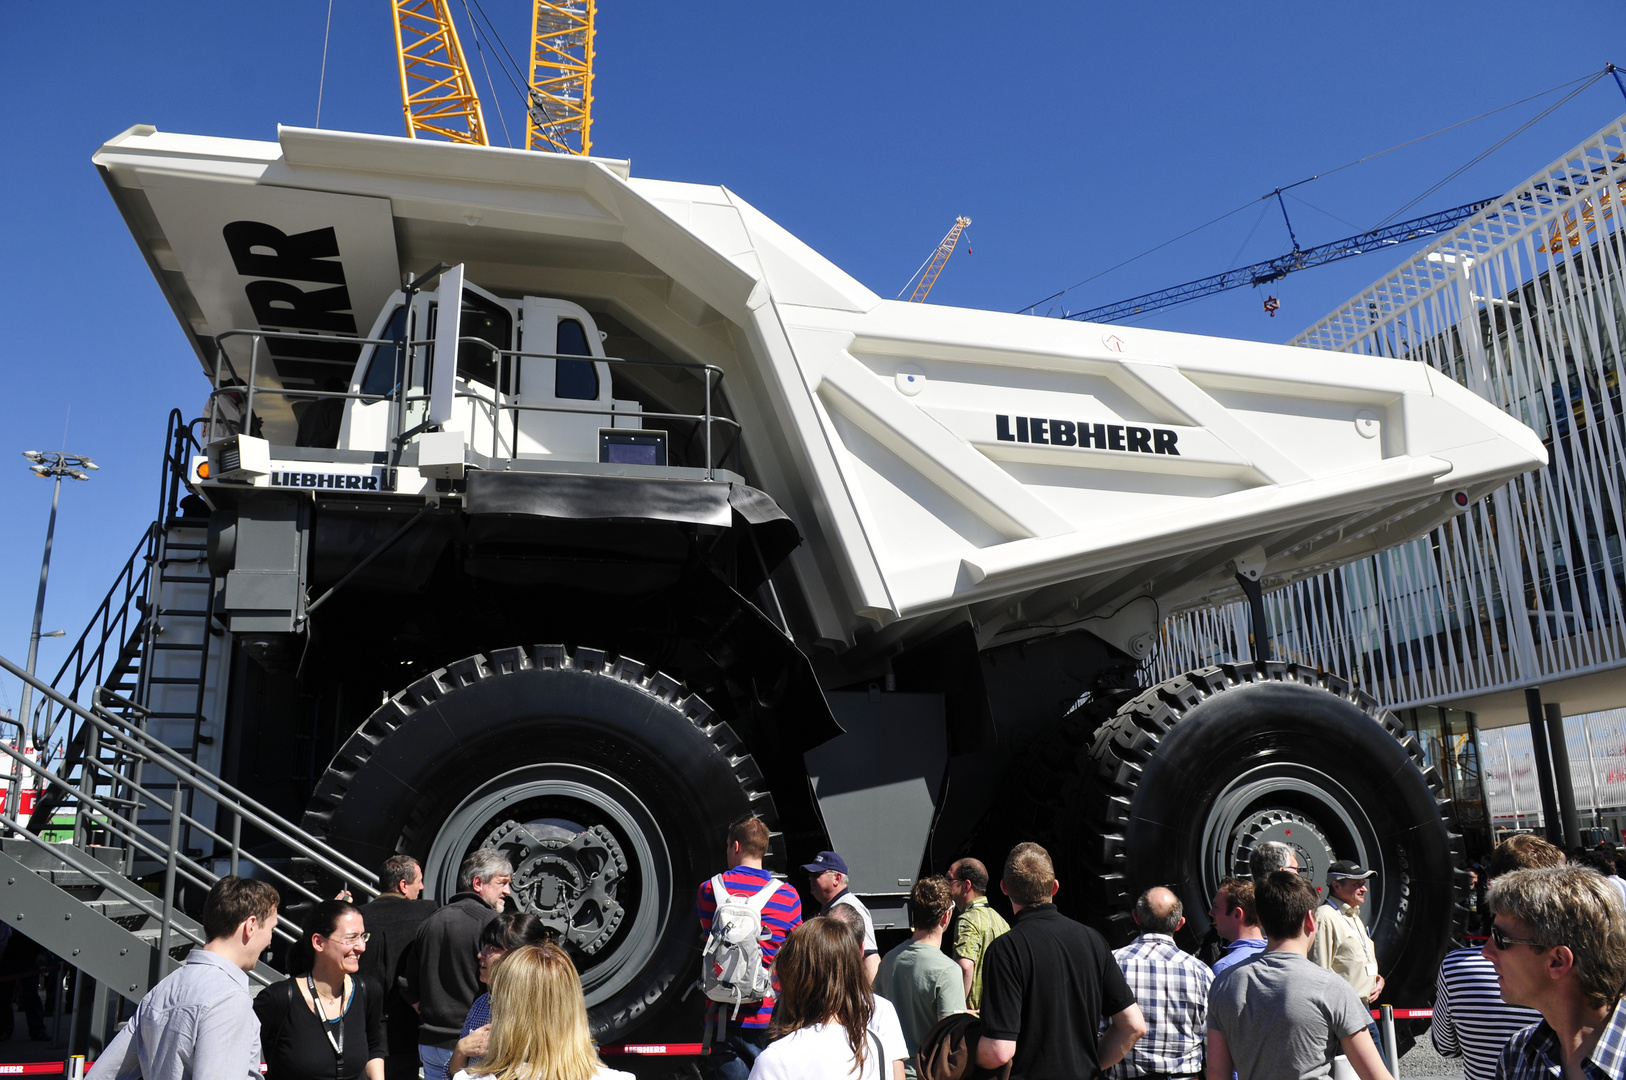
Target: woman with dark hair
(820,1028)
(509,931)
(326,1021)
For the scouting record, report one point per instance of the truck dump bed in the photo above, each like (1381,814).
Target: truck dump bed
(1032,473)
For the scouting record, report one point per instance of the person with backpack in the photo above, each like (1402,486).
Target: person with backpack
(745,913)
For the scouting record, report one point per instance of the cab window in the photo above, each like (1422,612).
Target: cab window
(384,371)
(576,379)
(489,322)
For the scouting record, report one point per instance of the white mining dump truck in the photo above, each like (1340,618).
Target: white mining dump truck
(578,514)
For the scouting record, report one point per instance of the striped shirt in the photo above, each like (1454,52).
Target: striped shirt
(782,914)
(1171,988)
(1534,1053)
(1471,1021)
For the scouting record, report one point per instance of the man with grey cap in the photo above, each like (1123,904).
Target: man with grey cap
(1342,944)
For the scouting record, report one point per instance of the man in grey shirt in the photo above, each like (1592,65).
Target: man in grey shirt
(1280,1017)
(199,1022)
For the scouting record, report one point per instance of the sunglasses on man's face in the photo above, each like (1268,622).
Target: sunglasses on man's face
(1504,941)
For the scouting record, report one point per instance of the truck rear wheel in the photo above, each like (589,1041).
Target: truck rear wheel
(607,786)
(1195,771)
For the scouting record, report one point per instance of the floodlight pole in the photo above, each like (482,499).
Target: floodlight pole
(54,465)
(23,720)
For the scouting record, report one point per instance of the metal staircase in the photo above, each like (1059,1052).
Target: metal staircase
(86,897)
(133,824)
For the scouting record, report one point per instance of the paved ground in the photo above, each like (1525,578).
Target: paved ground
(1422,1061)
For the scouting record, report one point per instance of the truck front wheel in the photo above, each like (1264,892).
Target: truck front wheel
(1194,772)
(609,789)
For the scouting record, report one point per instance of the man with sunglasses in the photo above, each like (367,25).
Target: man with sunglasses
(1471,1021)
(1342,944)
(1558,944)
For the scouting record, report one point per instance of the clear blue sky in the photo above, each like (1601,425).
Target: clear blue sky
(1076,135)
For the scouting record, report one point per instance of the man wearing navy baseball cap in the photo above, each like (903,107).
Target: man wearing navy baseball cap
(1342,944)
(827,880)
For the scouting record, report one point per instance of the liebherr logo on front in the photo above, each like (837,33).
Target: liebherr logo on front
(1128,438)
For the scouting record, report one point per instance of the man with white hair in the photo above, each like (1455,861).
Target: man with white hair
(443,971)
(1558,944)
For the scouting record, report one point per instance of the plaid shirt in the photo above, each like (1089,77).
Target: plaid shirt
(1534,1054)
(1171,988)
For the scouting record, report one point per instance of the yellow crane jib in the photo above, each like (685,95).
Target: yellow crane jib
(560,112)
(938,260)
(437,90)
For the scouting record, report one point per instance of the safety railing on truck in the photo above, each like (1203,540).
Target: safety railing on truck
(118,639)
(241,392)
(132,792)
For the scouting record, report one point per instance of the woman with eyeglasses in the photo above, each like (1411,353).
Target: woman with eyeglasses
(509,931)
(326,1021)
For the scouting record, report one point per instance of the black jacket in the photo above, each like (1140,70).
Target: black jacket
(393,922)
(442,974)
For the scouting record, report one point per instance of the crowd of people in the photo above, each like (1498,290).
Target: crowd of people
(401,987)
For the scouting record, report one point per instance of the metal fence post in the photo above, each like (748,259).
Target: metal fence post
(161,960)
(236,839)
(1391,1049)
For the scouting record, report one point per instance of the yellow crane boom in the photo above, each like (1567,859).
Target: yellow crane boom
(939,259)
(560,113)
(437,90)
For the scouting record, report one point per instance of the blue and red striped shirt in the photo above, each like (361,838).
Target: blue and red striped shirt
(782,914)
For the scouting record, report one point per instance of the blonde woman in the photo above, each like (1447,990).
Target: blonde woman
(539,1022)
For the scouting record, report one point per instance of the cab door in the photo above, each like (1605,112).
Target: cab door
(484,376)
(570,398)
(482,373)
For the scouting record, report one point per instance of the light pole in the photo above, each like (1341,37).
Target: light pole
(48,465)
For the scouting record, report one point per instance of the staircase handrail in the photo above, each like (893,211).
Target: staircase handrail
(207,783)
(134,741)
(105,625)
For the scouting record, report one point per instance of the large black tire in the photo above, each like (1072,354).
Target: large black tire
(645,776)
(1193,772)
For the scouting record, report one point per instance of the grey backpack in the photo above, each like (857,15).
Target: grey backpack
(731,967)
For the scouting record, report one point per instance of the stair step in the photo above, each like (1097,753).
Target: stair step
(174,680)
(170,579)
(123,911)
(190,613)
(177,647)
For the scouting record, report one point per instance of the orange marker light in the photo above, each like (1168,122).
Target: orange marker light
(203,470)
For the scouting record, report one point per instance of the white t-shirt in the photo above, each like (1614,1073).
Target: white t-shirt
(884,1023)
(821,1052)
(602,1074)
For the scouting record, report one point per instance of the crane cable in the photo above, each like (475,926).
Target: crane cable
(1588,79)
(321,82)
(510,70)
(495,99)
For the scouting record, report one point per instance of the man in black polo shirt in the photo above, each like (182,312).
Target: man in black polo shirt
(1047,984)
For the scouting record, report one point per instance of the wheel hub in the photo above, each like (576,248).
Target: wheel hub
(1300,806)
(1309,843)
(567,878)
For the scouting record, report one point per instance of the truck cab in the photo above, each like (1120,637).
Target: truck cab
(519,390)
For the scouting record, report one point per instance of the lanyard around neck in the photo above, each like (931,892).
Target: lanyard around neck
(328,1026)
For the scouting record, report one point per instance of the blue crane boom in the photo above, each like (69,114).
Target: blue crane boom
(1279,267)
